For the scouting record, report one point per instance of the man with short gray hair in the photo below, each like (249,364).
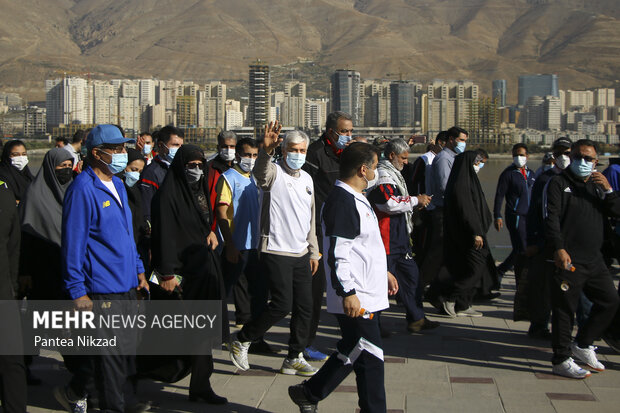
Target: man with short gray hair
(288,248)
(394,208)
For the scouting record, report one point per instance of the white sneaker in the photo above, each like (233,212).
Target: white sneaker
(297,366)
(239,354)
(470,312)
(588,356)
(568,368)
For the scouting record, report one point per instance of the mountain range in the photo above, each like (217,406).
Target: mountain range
(203,40)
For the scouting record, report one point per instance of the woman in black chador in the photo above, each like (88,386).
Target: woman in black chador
(467,220)
(182,249)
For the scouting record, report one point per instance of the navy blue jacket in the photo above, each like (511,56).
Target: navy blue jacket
(538,209)
(98,249)
(152,177)
(513,186)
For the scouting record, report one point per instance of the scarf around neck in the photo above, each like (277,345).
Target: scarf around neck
(389,175)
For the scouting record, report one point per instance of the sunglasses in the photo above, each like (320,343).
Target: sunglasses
(193,166)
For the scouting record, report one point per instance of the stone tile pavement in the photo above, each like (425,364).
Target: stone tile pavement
(481,365)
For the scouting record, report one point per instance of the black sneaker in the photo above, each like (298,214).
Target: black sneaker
(298,396)
(262,347)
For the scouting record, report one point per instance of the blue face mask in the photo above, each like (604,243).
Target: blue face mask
(171,153)
(295,160)
(342,141)
(581,168)
(118,164)
(460,147)
(147,149)
(131,177)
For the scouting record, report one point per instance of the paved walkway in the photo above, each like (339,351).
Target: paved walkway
(466,365)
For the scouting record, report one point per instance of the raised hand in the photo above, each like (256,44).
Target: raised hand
(272,139)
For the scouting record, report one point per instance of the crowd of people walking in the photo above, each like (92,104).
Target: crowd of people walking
(277,224)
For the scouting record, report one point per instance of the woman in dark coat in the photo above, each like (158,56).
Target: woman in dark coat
(182,248)
(467,219)
(130,176)
(41,221)
(14,169)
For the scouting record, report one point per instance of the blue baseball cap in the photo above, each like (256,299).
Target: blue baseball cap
(105,134)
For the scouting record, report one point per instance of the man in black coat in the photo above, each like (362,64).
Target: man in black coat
(578,200)
(323,163)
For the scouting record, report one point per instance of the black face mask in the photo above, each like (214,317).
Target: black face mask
(64,175)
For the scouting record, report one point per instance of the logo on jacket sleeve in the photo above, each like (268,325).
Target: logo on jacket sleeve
(106,203)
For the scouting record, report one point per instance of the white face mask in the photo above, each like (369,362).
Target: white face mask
(19,162)
(373,181)
(227,154)
(476,168)
(562,161)
(519,161)
(247,164)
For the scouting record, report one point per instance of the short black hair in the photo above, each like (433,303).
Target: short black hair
(518,146)
(584,142)
(455,132)
(79,136)
(62,139)
(166,133)
(354,156)
(334,117)
(147,133)
(252,143)
(442,136)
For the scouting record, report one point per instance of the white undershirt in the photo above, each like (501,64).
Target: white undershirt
(112,188)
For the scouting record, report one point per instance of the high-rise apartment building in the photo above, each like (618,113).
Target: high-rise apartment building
(499,92)
(375,103)
(552,110)
(604,97)
(537,85)
(345,94)
(214,104)
(316,113)
(403,103)
(581,100)
(293,106)
(447,104)
(67,101)
(234,119)
(260,90)
(543,113)
(187,111)
(147,92)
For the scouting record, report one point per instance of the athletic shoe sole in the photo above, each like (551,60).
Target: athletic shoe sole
(293,372)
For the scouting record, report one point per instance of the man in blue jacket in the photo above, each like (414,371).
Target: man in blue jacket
(100,260)
(515,184)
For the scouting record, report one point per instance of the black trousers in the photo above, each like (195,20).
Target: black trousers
(539,289)
(290,285)
(318,290)
(13,390)
(518,236)
(246,281)
(410,292)
(202,368)
(359,350)
(596,282)
(109,372)
(466,273)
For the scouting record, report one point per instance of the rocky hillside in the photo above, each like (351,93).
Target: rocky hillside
(217,39)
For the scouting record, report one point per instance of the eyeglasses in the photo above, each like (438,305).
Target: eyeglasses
(586,158)
(193,166)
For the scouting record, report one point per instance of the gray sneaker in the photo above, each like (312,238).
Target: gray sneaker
(448,307)
(470,312)
(298,396)
(239,354)
(298,366)
(72,406)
